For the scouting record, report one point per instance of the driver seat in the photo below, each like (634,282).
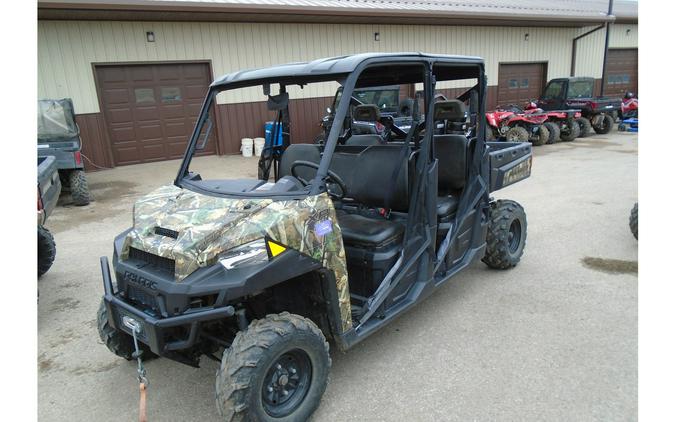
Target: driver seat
(369,189)
(367,232)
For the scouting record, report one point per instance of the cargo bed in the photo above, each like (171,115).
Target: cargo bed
(510,162)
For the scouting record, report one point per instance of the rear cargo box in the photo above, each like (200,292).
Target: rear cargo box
(510,162)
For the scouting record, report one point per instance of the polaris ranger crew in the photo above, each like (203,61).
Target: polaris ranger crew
(332,242)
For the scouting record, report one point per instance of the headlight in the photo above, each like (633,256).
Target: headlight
(248,254)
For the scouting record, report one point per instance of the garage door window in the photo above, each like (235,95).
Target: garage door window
(170,94)
(513,83)
(144,95)
(525,83)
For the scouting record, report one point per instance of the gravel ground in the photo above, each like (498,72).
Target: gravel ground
(554,339)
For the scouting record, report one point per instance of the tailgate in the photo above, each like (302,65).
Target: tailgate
(510,162)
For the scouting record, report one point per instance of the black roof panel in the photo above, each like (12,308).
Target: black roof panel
(326,69)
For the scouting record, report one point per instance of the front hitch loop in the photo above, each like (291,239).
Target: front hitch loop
(135,327)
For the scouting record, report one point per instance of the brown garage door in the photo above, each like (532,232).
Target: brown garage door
(520,82)
(150,110)
(622,71)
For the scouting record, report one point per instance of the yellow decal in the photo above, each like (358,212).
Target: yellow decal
(275,248)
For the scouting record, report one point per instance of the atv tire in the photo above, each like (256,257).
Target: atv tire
(633,221)
(541,137)
(79,189)
(283,352)
(571,133)
(554,132)
(118,342)
(517,134)
(605,124)
(506,236)
(46,250)
(584,127)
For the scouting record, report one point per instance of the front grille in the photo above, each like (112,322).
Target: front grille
(155,261)
(166,232)
(141,297)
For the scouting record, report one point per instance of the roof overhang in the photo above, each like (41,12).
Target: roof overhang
(484,12)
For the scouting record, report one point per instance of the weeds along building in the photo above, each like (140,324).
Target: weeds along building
(110,56)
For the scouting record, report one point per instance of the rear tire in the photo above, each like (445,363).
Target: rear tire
(541,137)
(282,352)
(570,133)
(46,250)
(116,341)
(584,127)
(79,189)
(506,236)
(554,132)
(633,221)
(604,125)
(517,134)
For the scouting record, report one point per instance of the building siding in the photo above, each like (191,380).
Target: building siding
(623,36)
(67,49)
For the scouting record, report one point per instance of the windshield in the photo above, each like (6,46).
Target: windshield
(251,124)
(553,90)
(580,89)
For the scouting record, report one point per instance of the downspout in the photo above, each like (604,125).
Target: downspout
(604,60)
(574,46)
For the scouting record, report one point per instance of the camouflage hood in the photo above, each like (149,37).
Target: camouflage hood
(193,229)
(189,227)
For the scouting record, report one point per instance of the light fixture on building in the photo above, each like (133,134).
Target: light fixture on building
(527,37)
(627,32)
(150,36)
(377,36)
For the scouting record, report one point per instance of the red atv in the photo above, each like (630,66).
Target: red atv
(563,125)
(629,107)
(515,125)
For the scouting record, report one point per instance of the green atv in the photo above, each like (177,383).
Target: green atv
(260,274)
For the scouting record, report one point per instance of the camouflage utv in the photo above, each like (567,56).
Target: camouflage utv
(259,274)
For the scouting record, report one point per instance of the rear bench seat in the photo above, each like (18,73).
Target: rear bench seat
(452,153)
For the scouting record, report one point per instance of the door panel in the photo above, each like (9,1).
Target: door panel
(150,109)
(622,72)
(520,82)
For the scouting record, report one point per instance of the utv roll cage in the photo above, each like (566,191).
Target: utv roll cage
(350,72)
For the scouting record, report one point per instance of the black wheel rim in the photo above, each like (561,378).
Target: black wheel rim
(286,383)
(514,236)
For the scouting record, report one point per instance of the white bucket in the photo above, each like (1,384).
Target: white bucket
(247,147)
(259,144)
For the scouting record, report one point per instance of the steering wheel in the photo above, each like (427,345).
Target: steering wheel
(332,176)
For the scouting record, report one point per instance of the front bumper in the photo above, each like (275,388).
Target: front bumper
(154,330)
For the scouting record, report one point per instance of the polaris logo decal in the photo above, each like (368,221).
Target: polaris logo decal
(140,281)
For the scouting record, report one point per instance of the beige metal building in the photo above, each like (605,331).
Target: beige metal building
(109,55)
